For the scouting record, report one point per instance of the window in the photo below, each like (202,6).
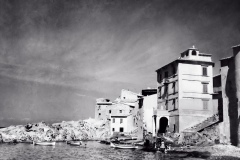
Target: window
(166,104)
(174,88)
(113,129)
(187,54)
(121,129)
(166,74)
(204,71)
(120,111)
(99,114)
(110,111)
(174,128)
(205,104)
(121,120)
(174,107)
(205,88)
(160,90)
(113,120)
(194,53)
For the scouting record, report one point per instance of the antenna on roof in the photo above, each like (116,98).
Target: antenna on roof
(193,47)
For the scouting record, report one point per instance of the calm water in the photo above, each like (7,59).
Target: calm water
(94,151)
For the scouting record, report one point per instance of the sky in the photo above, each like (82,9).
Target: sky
(58,56)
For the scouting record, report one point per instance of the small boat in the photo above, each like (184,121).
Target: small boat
(44,143)
(124,146)
(79,143)
(104,142)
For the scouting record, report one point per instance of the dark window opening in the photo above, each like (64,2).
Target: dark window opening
(99,114)
(166,104)
(110,111)
(120,111)
(174,104)
(160,92)
(194,53)
(187,54)
(113,120)
(121,129)
(174,87)
(113,129)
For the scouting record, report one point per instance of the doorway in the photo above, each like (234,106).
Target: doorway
(163,123)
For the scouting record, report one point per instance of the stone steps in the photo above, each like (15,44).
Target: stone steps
(206,123)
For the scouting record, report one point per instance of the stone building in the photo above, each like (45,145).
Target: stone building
(228,96)
(124,113)
(149,105)
(185,88)
(102,109)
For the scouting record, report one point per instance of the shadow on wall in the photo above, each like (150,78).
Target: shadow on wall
(231,93)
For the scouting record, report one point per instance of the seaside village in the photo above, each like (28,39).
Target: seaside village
(189,104)
(188,107)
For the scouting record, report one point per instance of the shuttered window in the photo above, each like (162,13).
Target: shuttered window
(204,71)
(205,104)
(205,88)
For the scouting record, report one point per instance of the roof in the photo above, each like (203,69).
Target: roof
(132,92)
(187,61)
(236,46)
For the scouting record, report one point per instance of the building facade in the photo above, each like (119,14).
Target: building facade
(103,109)
(185,88)
(149,105)
(229,95)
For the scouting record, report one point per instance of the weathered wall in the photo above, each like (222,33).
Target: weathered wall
(149,103)
(235,114)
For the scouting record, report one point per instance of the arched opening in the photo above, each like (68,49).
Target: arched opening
(163,123)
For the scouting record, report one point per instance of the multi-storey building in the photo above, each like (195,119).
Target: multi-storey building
(102,109)
(227,92)
(185,90)
(124,112)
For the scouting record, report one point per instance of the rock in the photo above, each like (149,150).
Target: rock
(73,130)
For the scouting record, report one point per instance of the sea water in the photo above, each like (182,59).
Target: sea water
(93,151)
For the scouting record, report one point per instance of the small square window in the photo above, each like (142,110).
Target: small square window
(120,111)
(113,120)
(113,129)
(121,120)
(99,114)
(110,111)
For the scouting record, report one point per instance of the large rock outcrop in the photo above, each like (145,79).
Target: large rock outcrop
(72,130)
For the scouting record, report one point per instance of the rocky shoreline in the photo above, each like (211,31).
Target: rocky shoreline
(89,129)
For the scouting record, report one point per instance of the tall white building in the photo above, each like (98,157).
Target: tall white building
(185,88)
